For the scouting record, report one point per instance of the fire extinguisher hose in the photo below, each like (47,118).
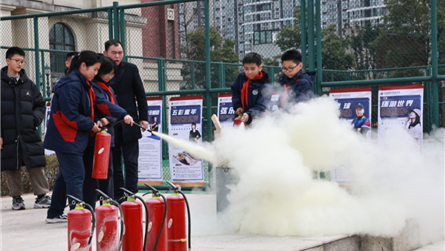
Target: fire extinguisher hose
(146,220)
(163,221)
(189,221)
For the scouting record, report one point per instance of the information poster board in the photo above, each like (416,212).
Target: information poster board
(273,104)
(402,106)
(355,107)
(47,117)
(150,146)
(186,123)
(226,113)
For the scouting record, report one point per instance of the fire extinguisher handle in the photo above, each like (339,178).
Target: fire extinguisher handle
(146,129)
(154,190)
(103,194)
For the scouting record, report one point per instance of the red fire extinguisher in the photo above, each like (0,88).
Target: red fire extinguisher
(176,221)
(156,232)
(132,212)
(237,121)
(81,224)
(101,155)
(107,237)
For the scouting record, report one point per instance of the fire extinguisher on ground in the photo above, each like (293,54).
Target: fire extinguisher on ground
(107,238)
(81,223)
(176,220)
(133,239)
(156,232)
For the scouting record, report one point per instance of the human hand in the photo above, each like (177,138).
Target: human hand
(104,121)
(144,124)
(239,111)
(128,120)
(95,128)
(245,117)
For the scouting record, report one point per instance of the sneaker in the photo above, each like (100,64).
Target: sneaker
(43,202)
(18,203)
(58,219)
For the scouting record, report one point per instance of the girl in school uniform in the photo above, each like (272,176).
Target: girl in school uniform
(71,122)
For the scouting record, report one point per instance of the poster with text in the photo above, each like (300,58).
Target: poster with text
(185,123)
(47,117)
(355,107)
(150,146)
(226,113)
(402,106)
(273,104)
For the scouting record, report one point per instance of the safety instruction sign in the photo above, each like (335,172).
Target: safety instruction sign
(185,122)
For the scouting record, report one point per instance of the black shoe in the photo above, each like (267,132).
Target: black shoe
(18,203)
(43,202)
(58,219)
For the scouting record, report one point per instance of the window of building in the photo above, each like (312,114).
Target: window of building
(60,38)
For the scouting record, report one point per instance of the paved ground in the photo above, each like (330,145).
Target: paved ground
(27,230)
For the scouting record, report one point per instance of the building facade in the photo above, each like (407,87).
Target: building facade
(149,31)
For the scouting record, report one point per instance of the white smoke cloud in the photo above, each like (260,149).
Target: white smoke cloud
(393,179)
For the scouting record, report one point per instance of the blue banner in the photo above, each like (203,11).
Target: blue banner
(398,106)
(185,114)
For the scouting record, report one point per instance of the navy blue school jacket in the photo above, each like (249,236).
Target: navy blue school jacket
(98,114)
(300,87)
(70,121)
(259,94)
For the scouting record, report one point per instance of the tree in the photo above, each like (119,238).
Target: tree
(221,50)
(334,48)
(405,38)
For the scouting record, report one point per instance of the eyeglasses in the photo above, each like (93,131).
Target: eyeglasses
(290,69)
(18,61)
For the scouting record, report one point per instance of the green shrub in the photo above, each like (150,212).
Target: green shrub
(51,170)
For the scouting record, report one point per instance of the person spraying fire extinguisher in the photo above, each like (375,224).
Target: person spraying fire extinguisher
(72,120)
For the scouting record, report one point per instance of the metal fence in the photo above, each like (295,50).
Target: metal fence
(185,47)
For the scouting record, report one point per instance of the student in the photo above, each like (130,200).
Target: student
(101,86)
(251,92)
(20,142)
(128,87)
(296,82)
(69,58)
(71,122)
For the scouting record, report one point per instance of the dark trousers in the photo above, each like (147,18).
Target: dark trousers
(69,181)
(90,184)
(130,153)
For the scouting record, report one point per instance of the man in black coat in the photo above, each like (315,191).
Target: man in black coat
(23,109)
(127,86)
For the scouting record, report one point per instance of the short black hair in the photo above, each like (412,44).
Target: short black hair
(107,65)
(14,51)
(292,55)
(252,57)
(111,42)
(71,54)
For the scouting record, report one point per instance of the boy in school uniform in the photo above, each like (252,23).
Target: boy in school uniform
(296,82)
(251,90)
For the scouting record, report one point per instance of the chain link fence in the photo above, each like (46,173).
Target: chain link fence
(363,43)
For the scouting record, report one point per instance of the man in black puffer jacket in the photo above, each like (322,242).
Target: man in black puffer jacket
(23,110)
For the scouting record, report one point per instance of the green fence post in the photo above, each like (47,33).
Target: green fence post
(310,17)
(110,23)
(193,75)
(43,75)
(319,62)
(37,60)
(208,80)
(122,32)
(221,74)
(272,74)
(161,72)
(303,31)
(116,20)
(434,63)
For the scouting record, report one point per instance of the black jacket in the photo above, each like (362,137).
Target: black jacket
(128,86)
(23,109)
